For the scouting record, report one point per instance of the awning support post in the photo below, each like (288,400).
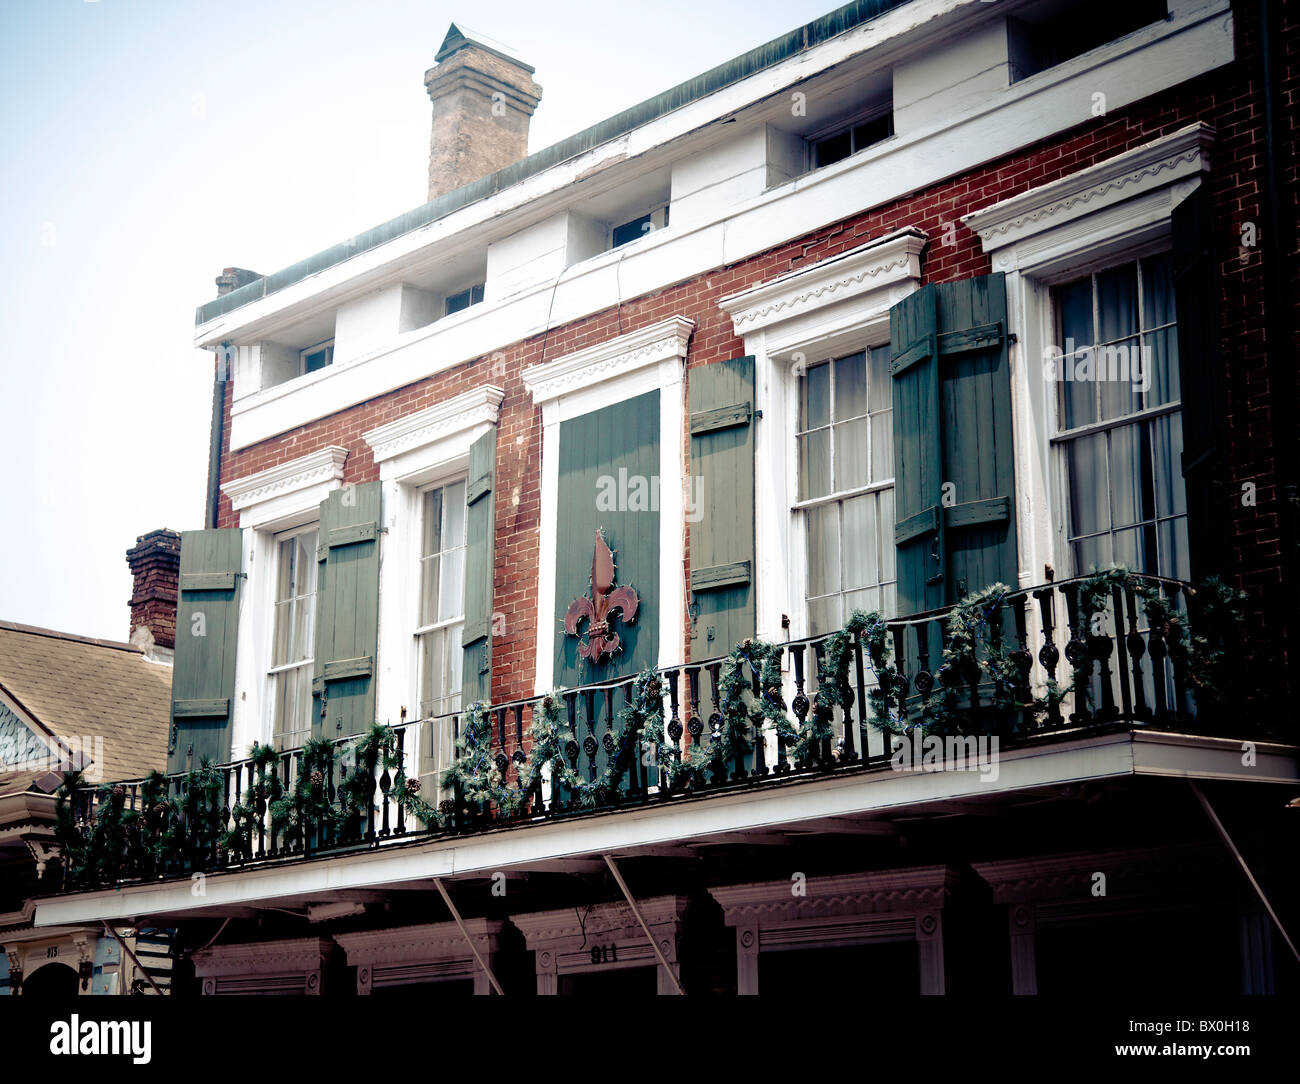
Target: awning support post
(446,898)
(636,911)
(1223,834)
(138,965)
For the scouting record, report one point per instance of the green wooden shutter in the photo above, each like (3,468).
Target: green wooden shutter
(722,534)
(1196,301)
(953,450)
(207,624)
(480,570)
(347,611)
(608,466)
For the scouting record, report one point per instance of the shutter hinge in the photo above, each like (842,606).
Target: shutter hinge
(1012,337)
(758,414)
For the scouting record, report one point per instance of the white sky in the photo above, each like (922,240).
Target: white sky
(147,144)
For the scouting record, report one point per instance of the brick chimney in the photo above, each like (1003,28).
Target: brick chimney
(232,278)
(155,562)
(483,99)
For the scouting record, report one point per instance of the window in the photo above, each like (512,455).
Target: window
(846,487)
(317,357)
(1053,31)
(295,620)
(442,598)
(1119,422)
(640,226)
(839,145)
(463,300)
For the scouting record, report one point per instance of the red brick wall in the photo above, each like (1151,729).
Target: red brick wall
(1227,99)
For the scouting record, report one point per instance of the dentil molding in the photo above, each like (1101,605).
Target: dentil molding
(445,419)
(885,262)
(320,467)
(664,341)
(1157,164)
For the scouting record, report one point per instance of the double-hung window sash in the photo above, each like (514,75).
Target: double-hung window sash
(294,639)
(846,487)
(1120,419)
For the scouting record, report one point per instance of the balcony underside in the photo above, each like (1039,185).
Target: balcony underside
(865,802)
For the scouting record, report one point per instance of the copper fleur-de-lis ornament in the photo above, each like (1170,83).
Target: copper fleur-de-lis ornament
(602,641)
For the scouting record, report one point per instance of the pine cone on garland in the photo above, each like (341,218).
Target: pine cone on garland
(412,786)
(317,778)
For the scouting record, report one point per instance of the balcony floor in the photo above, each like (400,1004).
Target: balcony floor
(854,803)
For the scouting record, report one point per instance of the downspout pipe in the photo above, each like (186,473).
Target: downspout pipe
(1279,329)
(216,439)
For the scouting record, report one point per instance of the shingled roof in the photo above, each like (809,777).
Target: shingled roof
(82,687)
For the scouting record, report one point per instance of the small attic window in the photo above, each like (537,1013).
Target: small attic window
(638,227)
(838,145)
(317,357)
(463,300)
(1051,32)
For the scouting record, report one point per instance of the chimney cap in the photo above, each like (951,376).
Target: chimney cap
(461,37)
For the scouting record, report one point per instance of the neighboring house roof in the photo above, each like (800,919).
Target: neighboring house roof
(79,687)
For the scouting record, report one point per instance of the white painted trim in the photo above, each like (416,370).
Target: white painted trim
(608,361)
(1136,66)
(1106,214)
(562,939)
(894,258)
(273,498)
(622,832)
(1154,165)
(826,310)
(424,431)
(622,368)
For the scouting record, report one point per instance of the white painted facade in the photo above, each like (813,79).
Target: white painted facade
(976,123)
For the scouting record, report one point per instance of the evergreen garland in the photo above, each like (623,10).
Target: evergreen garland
(162,828)
(259,792)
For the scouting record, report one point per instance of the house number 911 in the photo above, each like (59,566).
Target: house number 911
(604,954)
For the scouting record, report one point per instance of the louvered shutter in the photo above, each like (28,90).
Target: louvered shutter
(207,624)
(953,443)
(722,491)
(347,611)
(480,570)
(1196,299)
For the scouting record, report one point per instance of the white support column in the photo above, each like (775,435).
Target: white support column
(747,959)
(1022,920)
(929,945)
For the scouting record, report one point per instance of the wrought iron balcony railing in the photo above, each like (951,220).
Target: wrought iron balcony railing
(1024,666)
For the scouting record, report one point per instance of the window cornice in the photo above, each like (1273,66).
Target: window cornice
(1163,162)
(876,265)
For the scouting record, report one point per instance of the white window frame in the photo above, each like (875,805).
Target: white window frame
(269,503)
(833,308)
(422,630)
(427,448)
(801,507)
(1060,438)
(325,344)
(272,670)
(650,359)
(1107,214)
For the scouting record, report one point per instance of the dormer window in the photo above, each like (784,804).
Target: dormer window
(639,226)
(463,300)
(317,357)
(838,145)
